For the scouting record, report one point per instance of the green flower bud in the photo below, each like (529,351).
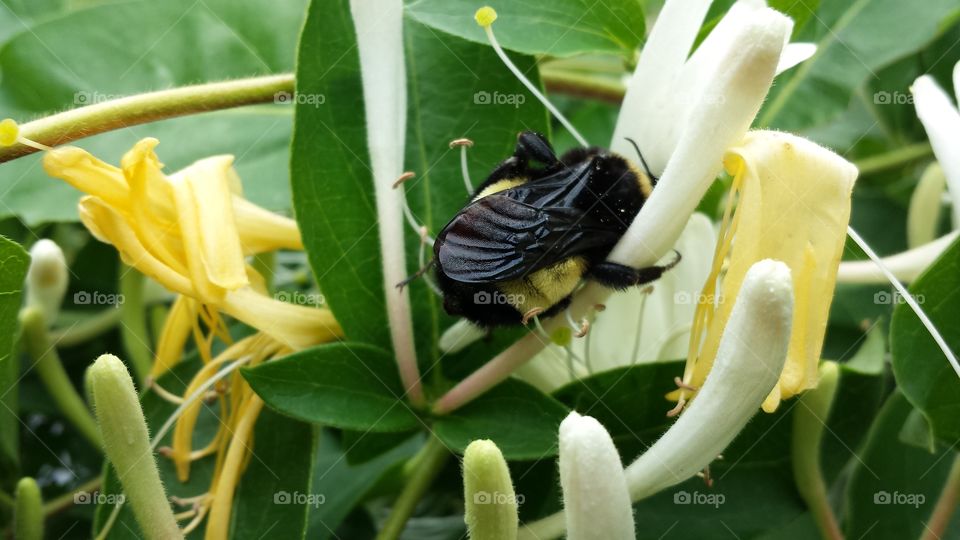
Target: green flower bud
(491,506)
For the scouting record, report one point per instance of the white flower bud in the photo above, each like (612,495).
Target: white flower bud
(47,279)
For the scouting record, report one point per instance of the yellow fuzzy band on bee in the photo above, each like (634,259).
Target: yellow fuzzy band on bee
(500,185)
(545,287)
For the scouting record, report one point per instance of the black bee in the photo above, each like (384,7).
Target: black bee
(535,228)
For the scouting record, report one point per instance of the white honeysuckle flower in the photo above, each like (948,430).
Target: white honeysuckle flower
(379,27)
(596,500)
(47,279)
(748,364)
(906,266)
(637,325)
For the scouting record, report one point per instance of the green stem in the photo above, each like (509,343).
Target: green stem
(894,158)
(584,86)
(129,111)
(86,330)
(6,500)
(136,337)
(809,420)
(946,504)
(61,503)
(47,363)
(429,460)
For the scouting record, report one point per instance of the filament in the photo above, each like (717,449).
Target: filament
(464,144)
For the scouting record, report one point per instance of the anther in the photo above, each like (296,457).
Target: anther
(531,314)
(461,142)
(403,178)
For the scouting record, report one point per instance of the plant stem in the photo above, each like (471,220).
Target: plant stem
(129,111)
(809,420)
(574,84)
(136,337)
(61,503)
(430,461)
(946,504)
(6,500)
(50,370)
(894,158)
(90,328)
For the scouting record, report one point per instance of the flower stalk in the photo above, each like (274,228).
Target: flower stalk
(74,124)
(430,461)
(127,445)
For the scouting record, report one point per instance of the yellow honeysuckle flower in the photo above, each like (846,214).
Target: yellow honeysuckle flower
(793,206)
(190,232)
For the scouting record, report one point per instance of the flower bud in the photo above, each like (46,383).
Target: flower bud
(47,279)
(28,512)
(491,506)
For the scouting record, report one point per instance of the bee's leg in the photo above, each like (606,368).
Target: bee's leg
(532,145)
(621,276)
(423,270)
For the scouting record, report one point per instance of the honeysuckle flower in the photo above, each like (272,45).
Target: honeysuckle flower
(191,231)
(379,28)
(794,206)
(749,360)
(47,279)
(596,501)
(638,325)
(127,445)
(941,119)
(489,499)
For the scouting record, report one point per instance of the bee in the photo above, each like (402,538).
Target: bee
(536,228)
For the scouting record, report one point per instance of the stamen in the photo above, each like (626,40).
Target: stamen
(636,338)
(10,135)
(680,384)
(163,393)
(681,403)
(464,144)
(485,17)
(927,323)
(407,213)
(531,314)
(579,330)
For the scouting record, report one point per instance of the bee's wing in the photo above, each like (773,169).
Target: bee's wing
(499,238)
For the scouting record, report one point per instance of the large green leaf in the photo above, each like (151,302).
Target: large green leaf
(346,385)
(13,269)
(133,47)
(854,40)
(521,420)
(554,27)
(331,180)
(894,486)
(923,373)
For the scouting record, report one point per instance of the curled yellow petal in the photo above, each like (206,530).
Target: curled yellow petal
(794,206)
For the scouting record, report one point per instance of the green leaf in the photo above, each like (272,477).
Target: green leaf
(894,486)
(345,385)
(923,373)
(521,420)
(447,76)
(554,27)
(363,446)
(868,360)
(274,497)
(13,270)
(331,180)
(344,484)
(854,40)
(132,47)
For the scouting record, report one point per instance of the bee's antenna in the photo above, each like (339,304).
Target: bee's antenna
(646,168)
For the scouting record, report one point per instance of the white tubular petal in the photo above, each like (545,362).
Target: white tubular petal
(459,336)
(906,266)
(722,117)
(47,279)
(795,53)
(942,121)
(956,80)
(748,364)
(926,205)
(596,501)
(379,27)
(648,90)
